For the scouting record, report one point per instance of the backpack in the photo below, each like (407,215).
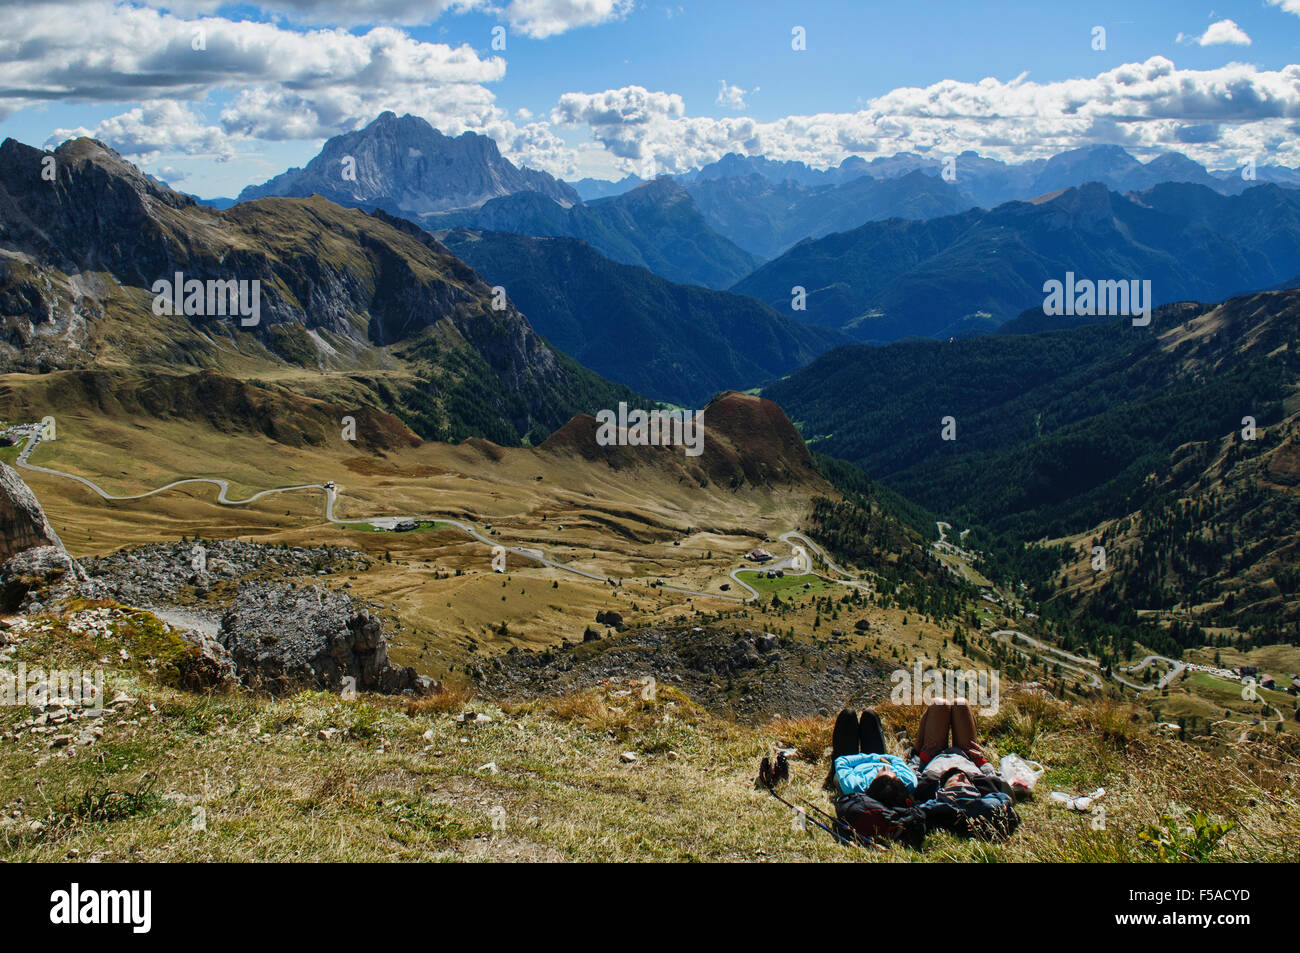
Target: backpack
(871,819)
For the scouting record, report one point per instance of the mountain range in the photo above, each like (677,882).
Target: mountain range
(715,225)
(972,271)
(374,307)
(986,180)
(674,342)
(1072,432)
(766,205)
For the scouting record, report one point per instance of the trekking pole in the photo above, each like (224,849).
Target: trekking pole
(839,837)
(771,789)
(857,838)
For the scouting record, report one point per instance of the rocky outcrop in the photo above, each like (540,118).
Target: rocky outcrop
(22,521)
(283,638)
(32,557)
(169,573)
(207,665)
(37,575)
(745,675)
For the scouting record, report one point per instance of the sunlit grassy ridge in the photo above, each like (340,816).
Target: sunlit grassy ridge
(185,776)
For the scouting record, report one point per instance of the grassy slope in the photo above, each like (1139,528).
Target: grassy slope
(406,782)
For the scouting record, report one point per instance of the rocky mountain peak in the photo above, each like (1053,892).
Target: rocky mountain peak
(405,166)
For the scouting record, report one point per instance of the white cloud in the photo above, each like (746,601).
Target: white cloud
(1233,111)
(1224,32)
(630,105)
(732,97)
(136,53)
(543,18)
(291,84)
(154,128)
(1289,6)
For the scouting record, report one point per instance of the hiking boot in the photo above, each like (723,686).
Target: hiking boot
(782,770)
(765,772)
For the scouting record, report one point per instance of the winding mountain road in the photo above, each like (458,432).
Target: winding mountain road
(1010,636)
(1074,663)
(1175,669)
(331,496)
(221,485)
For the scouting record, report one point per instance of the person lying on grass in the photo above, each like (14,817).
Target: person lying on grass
(947,738)
(882,796)
(970,806)
(957,788)
(860,764)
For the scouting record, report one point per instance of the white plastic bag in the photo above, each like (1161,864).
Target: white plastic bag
(1083,803)
(1020,773)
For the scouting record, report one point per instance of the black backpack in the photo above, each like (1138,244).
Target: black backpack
(871,819)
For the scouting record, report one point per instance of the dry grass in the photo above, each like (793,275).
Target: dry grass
(810,737)
(452,698)
(547,780)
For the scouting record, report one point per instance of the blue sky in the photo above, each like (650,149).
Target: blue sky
(604,87)
(859,48)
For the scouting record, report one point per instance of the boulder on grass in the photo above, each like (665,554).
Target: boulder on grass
(284,639)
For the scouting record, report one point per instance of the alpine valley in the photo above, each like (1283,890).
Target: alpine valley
(380,486)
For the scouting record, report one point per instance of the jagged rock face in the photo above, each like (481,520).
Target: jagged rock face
(283,639)
(405,166)
(43,317)
(23,524)
(96,211)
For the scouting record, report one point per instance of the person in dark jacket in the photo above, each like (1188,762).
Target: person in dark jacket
(971,806)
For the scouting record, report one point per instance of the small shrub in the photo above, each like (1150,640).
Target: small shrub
(1169,841)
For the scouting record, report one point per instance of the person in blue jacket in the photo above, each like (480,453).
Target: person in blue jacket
(860,765)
